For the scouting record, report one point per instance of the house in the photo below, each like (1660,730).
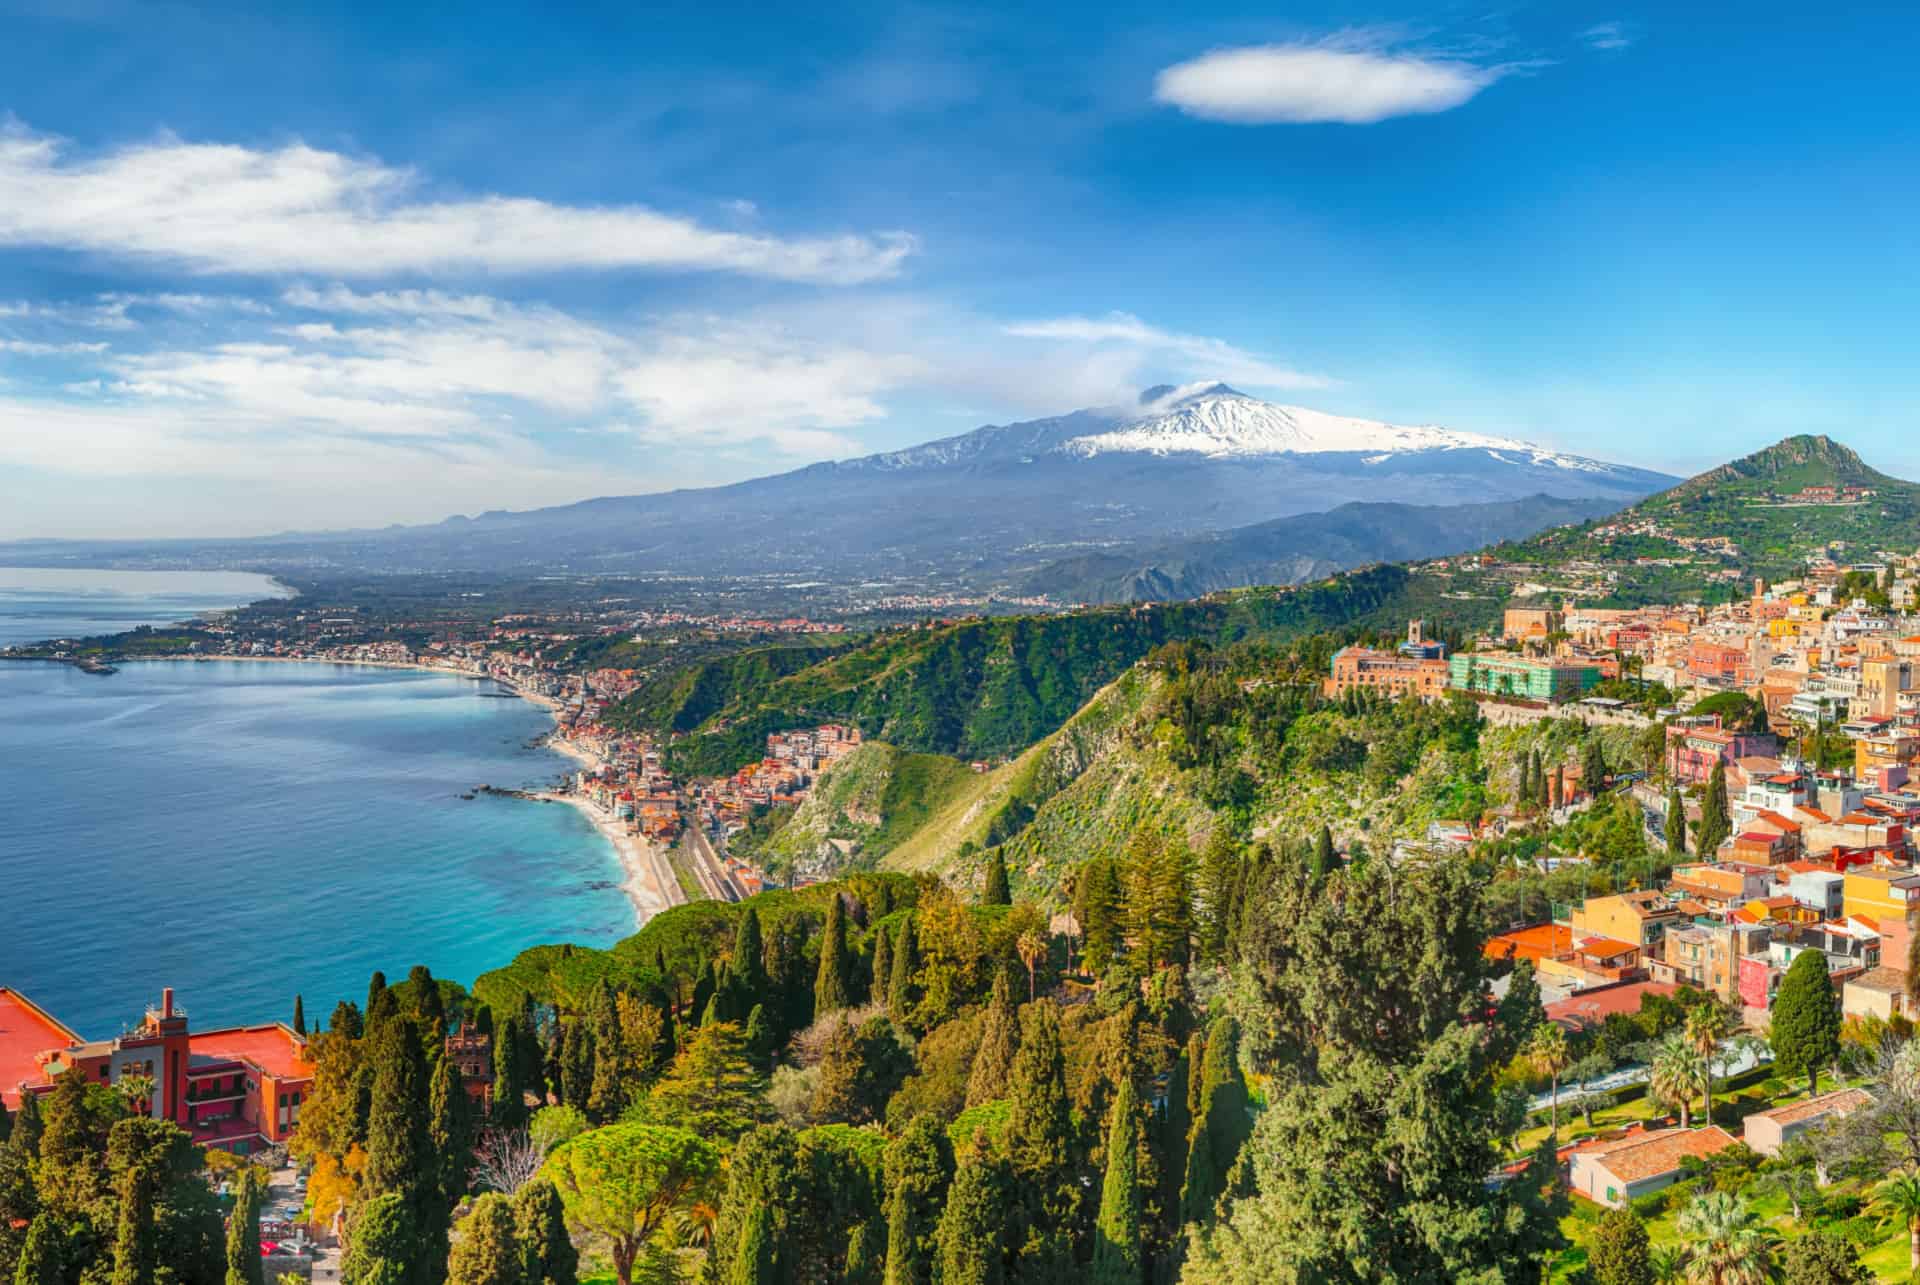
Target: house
(1621,1170)
(1638,917)
(1879,992)
(1880,892)
(1699,743)
(1386,672)
(1768,1131)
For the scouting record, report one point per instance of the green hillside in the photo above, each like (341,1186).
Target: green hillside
(863,807)
(977,688)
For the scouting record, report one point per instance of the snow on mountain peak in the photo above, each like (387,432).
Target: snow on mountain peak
(1213,420)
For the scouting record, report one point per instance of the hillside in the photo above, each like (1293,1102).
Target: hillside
(1297,549)
(861,808)
(981,688)
(1759,516)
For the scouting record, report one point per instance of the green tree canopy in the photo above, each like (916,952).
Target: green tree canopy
(620,1184)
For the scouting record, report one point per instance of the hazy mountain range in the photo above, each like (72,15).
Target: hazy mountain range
(991,507)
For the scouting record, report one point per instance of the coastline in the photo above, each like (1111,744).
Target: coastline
(648,885)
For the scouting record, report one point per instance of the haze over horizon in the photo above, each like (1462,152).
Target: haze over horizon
(347,270)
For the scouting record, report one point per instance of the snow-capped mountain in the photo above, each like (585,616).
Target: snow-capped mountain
(1216,421)
(987,507)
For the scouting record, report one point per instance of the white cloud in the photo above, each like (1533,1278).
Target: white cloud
(293,209)
(1606,35)
(35,348)
(1193,356)
(1314,83)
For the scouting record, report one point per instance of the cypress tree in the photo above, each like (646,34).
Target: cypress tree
(547,1255)
(997,892)
(756,1262)
(383,1249)
(749,955)
(376,987)
(1040,1147)
(487,1252)
(1676,824)
(831,987)
(1559,799)
(509,1090)
(43,1256)
(397,1161)
(972,1235)
(1714,824)
(919,1169)
(1220,1124)
(450,1133)
(1116,1236)
(1174,1126)
(759,1036)
(243,1234)
(138,1158)
(882,961)
(576,1063)
(999,1044)
(1539,783)
(704,988)
(299,1016)
(606,1093)
(428,1008)
(906,963)
(345,1021)
(1324,859)
(1806,1020)
(1593,768)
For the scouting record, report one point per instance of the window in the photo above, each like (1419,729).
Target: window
(1612,1194)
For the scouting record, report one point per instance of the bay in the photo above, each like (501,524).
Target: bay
(248,831)
(42,603)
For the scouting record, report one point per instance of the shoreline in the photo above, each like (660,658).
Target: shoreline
(647,885)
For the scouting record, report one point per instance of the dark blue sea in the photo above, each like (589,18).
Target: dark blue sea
(247,831)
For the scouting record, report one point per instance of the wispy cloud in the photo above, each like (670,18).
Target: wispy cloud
(223,208)
(1192,356)
(1606,35)
(1353,80)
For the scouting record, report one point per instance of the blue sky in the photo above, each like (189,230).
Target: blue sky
(348,265)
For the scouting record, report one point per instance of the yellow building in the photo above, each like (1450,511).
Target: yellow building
(1879,894)
(1893,749)
(1637,918)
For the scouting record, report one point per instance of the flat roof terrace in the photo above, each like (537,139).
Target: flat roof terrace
(26,1031)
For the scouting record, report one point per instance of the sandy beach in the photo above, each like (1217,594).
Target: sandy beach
(649,884)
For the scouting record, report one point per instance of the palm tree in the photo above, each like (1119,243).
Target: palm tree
(1667,1263)
(1707,1025)
(137,1092)
(694,1225)
(1726,1244)
(1900,1196)
(1675,1074)
(1550,1056)
(1033,948)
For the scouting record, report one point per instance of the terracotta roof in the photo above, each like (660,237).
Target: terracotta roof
(1662,1152)
(1605,947)
(1602,1002)
(1537,941)
(1888,981)
(1838,1102)
(273,1049)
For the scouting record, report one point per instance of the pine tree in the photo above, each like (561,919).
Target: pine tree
(756,1261)
(1806,1020)
(906,965)
(972,1235)
(487,1252)
(346,1021)
(997,892)
(832,990)
(882,962)
(1116,1236)
(1040,1146)
(243,1234)
(547,1255)
(299,1016)
(919,1170)
(1676,824)
(1618,1250)
(993,1060)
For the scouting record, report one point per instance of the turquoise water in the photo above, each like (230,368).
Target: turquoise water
(245,831)
(37,604)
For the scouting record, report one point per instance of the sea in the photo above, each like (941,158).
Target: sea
(246,832)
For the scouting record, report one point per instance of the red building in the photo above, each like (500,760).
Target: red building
(1695,745)
(237,1089)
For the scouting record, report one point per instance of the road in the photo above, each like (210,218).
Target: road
(711,871)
